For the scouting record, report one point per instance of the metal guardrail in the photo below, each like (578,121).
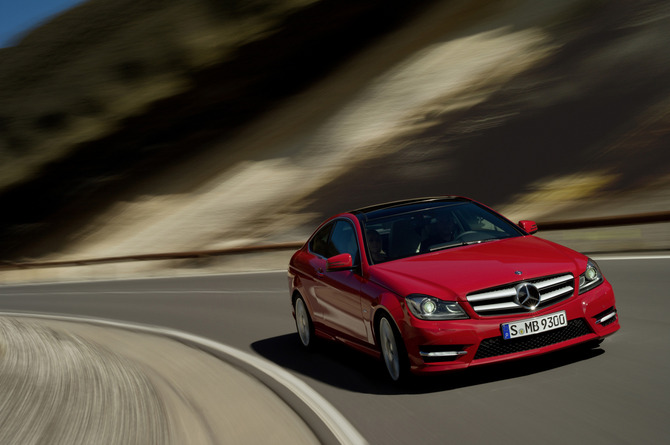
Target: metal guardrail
(644,218)
(625,220)
(8,265)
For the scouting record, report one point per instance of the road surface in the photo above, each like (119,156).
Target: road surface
(617,394)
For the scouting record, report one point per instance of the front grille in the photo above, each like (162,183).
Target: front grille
(500,300)
(496,346)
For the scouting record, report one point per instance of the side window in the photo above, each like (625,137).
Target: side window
(319,243)
(343,240)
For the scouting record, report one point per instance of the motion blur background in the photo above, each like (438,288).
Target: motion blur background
(143,126)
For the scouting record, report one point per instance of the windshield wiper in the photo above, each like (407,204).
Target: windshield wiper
(461,243)
(467,243)
(447,246)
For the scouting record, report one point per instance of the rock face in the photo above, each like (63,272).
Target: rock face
(109,94)
(267,118)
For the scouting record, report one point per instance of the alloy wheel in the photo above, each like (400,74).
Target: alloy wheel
(389,349)
(303,322)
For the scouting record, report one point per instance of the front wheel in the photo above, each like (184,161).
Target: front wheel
(393,350)
(303,323)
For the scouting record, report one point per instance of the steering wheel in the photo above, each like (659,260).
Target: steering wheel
(470,235)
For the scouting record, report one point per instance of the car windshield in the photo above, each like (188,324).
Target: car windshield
(417,231)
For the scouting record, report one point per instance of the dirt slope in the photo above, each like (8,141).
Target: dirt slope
(544,109)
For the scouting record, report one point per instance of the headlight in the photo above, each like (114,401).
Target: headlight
(426,307)
(591,277)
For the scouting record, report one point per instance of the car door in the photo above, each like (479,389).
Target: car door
(338,292)
(310,266)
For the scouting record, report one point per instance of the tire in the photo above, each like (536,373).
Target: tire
(303,323)
(393,350)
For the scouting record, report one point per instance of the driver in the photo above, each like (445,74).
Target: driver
(375,246)
(442,231)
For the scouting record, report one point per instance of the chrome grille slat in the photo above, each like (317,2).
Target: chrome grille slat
(557,293)
(552,281)
(495,307)
(500,300)
(492,295)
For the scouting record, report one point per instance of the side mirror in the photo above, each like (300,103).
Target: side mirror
(342,261)
(528,226)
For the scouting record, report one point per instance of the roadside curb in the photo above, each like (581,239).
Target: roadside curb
(329,426)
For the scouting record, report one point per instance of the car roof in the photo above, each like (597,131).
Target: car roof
(408,205)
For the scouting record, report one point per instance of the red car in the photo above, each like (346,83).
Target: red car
(437,284)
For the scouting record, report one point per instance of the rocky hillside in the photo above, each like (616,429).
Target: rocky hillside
(188,126)
(110,92)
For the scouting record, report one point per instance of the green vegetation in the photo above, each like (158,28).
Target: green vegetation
(76,78)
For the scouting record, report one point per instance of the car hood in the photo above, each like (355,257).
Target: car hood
(453,273)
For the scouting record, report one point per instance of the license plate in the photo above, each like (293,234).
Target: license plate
(533,326)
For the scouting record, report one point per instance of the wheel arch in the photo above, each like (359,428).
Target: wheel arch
(297,293)
(403,362)
(379,312)
(294,296)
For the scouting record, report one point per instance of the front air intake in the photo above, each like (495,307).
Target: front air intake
(496,346)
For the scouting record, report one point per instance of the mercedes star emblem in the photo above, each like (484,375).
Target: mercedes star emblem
(527,296)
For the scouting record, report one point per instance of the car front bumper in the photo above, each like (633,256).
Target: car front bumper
(447,345)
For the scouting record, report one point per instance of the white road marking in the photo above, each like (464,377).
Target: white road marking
(631,257)
(157,292)
(166,277)
(338,425)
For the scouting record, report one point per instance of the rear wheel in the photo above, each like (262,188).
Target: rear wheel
(393,350)
(303,323)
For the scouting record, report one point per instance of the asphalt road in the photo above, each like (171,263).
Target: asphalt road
(617,394)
